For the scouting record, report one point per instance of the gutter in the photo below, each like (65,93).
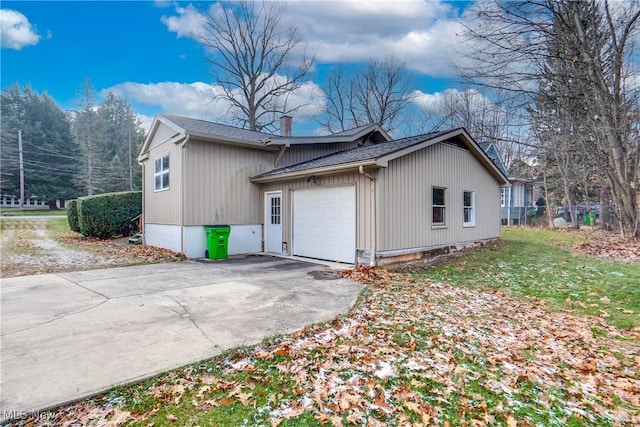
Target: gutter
(315,171)
(374,227)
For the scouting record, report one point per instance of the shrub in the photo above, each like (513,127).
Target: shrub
(108,215)
(72,215)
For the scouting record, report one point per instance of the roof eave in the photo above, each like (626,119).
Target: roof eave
(233,141)
(320,171)
(295,140)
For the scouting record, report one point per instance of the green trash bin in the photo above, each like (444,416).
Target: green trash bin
(217,241)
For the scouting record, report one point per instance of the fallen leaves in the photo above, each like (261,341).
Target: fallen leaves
(612,247)
(29,247)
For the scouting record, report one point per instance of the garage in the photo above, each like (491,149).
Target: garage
(324,223)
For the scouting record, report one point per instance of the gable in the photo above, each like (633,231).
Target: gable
(379,155)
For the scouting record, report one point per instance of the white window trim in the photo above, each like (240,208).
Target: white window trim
(471,223)
(162,172)
(442,224)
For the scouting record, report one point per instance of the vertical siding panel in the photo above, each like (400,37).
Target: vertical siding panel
(217,184)
(405,198)
(163,207)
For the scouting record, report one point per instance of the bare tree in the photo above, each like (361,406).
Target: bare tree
(338,113)
(378,93)
(517,41)
(256,62)
(487,119)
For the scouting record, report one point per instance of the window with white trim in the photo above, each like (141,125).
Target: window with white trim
(439,209)
(161,173)
(468,208)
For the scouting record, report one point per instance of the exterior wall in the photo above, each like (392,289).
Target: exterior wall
(404,199)
(243,239)
(217,186)
(364,204)
(163,207)
(163,236)
(304,152)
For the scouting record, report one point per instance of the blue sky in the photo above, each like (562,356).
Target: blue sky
(143,51)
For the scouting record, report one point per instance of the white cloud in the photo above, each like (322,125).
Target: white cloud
(188,23)
(437,102)
(424,33)
(196,99)
(204,101)
(16,31)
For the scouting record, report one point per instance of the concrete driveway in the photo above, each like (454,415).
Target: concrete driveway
(66,336)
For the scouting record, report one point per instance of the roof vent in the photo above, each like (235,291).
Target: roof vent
(285,125)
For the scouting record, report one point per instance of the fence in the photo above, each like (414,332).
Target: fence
(532,215)
(14,202)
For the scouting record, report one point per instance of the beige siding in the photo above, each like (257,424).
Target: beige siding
(217,186)
(304,152)
(404,199)
(364,203)
(163,207)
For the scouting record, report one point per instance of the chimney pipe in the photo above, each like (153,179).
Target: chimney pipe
(285,125)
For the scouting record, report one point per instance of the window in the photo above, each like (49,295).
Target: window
(161,173)
(469,208)
(438,204)
(275,210)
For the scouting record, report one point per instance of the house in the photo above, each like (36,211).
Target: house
(354,197)
(517,199)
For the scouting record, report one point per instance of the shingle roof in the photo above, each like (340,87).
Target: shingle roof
(216,130)
(369,152)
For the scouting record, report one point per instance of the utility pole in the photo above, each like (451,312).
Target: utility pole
(130,162)
(21,169)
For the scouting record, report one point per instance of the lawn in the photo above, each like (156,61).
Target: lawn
(32,212)
(506,335)
(543,264)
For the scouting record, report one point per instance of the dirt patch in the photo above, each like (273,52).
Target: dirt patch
(29,247)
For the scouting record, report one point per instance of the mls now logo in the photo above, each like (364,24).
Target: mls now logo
(15,414)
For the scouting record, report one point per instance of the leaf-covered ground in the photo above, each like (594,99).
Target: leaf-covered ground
(609,246)
(45,245)
(411,353)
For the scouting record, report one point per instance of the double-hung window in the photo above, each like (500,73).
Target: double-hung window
(468,208)
(438,214)
(161,173)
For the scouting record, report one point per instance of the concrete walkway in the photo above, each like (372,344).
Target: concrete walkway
(66,336)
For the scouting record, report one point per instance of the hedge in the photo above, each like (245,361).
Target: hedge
(108,215)
(72,215)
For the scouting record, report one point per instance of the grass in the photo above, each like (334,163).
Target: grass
(32,212)
(541,263)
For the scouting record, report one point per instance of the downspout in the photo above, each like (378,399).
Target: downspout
(372,260)
(182,187)
(283,148)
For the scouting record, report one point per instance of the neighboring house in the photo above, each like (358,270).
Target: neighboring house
(516,199)
(353,197)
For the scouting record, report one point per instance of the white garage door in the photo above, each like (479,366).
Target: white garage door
(324,223)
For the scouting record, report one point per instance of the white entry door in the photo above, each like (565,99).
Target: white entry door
(273,222)
(324,223)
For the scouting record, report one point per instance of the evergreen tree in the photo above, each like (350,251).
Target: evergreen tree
(119,140)
(49,155)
